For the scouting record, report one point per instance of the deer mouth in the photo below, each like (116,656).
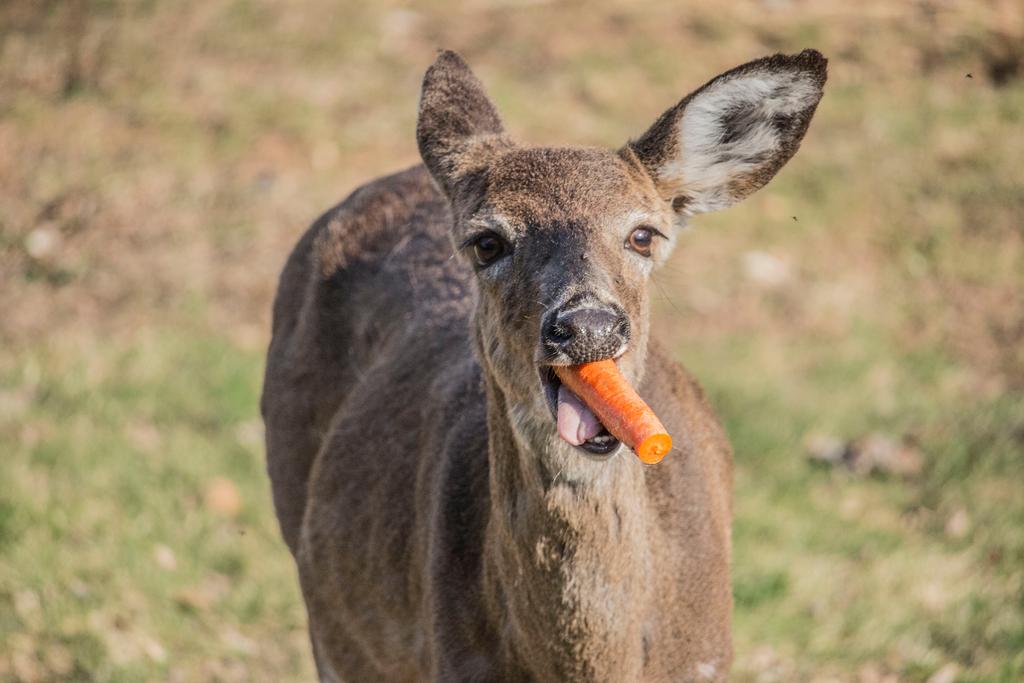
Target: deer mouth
(576,423)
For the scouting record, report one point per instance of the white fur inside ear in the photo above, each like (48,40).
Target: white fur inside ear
(710,154)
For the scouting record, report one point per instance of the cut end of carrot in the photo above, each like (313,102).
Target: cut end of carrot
(655,447)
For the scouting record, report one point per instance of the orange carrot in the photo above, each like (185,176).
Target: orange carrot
(624,414)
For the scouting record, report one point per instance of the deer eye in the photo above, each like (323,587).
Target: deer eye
(488,248)
(641,239)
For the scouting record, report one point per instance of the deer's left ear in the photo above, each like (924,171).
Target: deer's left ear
(728,138)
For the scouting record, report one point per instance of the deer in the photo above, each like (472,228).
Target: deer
(453,512)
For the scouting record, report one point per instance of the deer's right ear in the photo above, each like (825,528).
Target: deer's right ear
(458,130)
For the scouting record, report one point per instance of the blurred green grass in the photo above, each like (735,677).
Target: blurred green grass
(158,159)
(116,519)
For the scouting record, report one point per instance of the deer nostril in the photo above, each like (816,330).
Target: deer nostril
(622,326)
(559,332)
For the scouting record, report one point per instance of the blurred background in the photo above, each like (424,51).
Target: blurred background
(859,324)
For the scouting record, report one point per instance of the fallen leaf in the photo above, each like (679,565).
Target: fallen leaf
(222,497)
(59,660)
(879,453)
(946,674)
(958,525)
(825,448)
(165,558)
(28,607)
(766,270)
(873,453)
(202,597)
(42,242)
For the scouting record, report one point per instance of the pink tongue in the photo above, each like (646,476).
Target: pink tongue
(576,423)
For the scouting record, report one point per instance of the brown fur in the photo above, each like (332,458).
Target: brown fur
(442,530)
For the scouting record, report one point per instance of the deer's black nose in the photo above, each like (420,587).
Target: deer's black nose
(586,333)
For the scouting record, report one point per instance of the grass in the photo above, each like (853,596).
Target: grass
(118,523)
(152,185)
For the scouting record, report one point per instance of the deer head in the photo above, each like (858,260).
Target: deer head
(563,240)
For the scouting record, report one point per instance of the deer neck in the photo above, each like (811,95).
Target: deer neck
(567,559)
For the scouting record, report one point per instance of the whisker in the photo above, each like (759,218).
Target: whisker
(665,295)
